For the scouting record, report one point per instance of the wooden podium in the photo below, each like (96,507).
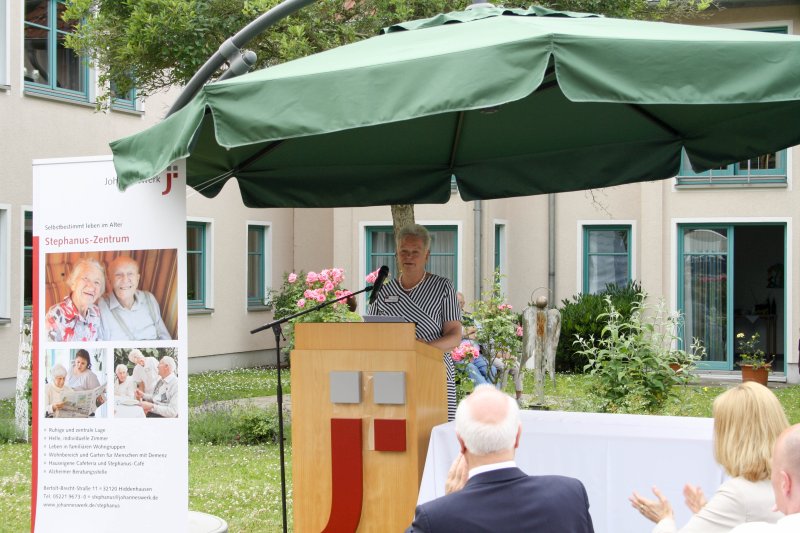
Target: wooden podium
(367,357)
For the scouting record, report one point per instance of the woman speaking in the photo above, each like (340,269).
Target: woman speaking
(426,299)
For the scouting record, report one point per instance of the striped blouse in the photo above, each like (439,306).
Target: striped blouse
(429,305)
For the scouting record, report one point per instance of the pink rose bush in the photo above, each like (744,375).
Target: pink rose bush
(301,291)
(498,330)
(465,352)
(372,276)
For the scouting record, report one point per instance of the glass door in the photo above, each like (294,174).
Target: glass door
(705,275)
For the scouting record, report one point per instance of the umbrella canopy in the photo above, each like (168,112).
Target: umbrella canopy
(511,102)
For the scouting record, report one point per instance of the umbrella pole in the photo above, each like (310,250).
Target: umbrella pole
(276,329)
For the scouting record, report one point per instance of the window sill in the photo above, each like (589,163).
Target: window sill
(259,308)
(5,321)
(127,111)
(200,310)
(55,98)
(753,185)
(5,87)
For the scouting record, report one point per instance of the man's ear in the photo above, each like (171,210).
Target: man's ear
(461,443)
(519,434)
(786,483)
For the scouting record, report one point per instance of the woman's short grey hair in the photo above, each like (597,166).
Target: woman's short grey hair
(481,438)
(170,362)
(121,368)
(86,262)
(415,230)
(58,371)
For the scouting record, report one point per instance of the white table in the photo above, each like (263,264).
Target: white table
(612,455)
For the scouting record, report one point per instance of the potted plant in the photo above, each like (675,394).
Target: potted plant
(752,359)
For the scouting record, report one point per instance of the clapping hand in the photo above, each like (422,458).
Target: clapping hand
(654,511)
(695,499)
(457,476)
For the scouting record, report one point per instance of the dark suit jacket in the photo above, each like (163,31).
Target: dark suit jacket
(508,501)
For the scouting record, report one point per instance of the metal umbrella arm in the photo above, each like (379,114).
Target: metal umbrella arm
(230,52)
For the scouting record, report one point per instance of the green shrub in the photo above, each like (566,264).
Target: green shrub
(581,317)
(631,358)
(8,431)
(224,425)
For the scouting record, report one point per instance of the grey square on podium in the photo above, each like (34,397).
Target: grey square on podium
(345,387)
(389,388)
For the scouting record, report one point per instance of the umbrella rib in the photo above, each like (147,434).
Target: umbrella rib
(256,156)
(456,139)
(652,118)
(242,166)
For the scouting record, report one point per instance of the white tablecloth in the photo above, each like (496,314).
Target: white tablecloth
(612,455)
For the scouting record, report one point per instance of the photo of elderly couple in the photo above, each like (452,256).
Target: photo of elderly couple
(110,296)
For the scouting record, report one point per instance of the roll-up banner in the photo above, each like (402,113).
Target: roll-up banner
(110,415)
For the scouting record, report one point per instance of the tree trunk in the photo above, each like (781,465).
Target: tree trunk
(402,215)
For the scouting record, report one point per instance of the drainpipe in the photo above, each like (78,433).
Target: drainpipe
(551,248)
(477,220)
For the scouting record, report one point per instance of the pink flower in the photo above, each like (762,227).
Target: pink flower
(519,331)
(372,276)
(312,277)
(308,293)
(292,278)
(337,275)
(329,286)
(301,302)
(324,275)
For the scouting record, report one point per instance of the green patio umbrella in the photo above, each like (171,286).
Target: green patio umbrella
(511,102)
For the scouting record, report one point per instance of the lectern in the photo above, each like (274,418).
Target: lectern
(365,397)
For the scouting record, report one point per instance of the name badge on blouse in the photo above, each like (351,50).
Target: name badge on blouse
(393,299)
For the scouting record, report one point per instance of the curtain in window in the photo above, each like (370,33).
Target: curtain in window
(705,289)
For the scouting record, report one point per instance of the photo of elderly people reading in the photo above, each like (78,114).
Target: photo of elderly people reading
(112,295)
(146,384)
(76,386)
(76,316)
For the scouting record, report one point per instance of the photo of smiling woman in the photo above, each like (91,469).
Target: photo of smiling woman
(119,295)
(77,317)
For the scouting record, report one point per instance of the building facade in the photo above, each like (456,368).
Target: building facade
(718,246)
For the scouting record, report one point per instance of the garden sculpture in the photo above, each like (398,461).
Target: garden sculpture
(542,328)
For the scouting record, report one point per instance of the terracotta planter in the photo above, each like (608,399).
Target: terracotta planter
(675,366)
(759,375)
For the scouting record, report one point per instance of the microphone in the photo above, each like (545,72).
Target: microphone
(383,273)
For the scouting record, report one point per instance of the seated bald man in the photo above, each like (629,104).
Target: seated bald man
(485,489)
(127,312)
(785,484)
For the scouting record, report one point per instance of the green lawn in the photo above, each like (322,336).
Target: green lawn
(242,483)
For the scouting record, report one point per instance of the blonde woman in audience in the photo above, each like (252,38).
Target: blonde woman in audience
(747,421)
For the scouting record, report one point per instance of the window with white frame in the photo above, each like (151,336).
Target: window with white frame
(27,280)
(4,43)
(258,271)
(5,265)
(50,68)
(606,257)
(198,265)
(444,250)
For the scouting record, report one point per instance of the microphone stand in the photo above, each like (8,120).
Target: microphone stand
(275,326)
